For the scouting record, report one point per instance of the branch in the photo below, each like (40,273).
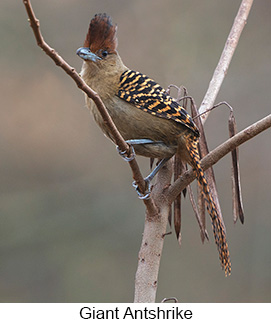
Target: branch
(225,59)
(34,23)
(215,155)
(153,241)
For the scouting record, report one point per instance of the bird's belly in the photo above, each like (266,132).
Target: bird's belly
(155,150)
(134,123)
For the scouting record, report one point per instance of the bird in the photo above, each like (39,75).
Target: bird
(146,116)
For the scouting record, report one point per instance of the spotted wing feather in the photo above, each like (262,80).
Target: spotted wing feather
(150,97)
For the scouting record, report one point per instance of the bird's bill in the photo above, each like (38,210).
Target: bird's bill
(86,54)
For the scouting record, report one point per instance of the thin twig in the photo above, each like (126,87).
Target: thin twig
(225,58)
(34,23)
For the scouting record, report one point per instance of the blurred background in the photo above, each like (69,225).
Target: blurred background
(71,223)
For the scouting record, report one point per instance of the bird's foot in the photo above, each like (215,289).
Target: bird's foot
(147,194)
(124,154)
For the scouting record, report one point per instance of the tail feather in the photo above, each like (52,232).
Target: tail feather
(217,223)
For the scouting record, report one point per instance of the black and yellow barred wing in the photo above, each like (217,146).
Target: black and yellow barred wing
(150,97)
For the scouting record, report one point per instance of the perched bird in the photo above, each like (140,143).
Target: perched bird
(145,115)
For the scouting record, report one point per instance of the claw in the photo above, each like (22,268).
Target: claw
(124,153)
(147,193)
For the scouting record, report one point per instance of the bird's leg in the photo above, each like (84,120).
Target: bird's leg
(150,177)
(161,163)
(135,142)
(148,180)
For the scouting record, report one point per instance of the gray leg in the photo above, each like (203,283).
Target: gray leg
(150,177)
(142,141)
(162,162)
(148,180)
(135,142)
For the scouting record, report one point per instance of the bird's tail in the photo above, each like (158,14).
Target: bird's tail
(217,224)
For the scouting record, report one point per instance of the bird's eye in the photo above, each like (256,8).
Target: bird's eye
(104,53)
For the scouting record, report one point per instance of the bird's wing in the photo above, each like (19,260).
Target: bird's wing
(150,97)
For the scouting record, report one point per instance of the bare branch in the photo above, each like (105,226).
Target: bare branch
(34,23)
(225,58)
(215,155)
(152,241)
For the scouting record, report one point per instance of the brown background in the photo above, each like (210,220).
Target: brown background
(70,221)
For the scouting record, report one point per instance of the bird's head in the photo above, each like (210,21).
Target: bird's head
(101,40)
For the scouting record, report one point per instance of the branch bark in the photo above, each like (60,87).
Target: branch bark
(153,241)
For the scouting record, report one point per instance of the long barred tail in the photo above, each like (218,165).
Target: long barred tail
(218,227)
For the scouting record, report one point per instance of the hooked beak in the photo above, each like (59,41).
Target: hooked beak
(87,55)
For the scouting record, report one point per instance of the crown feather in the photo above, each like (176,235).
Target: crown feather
(102,34)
